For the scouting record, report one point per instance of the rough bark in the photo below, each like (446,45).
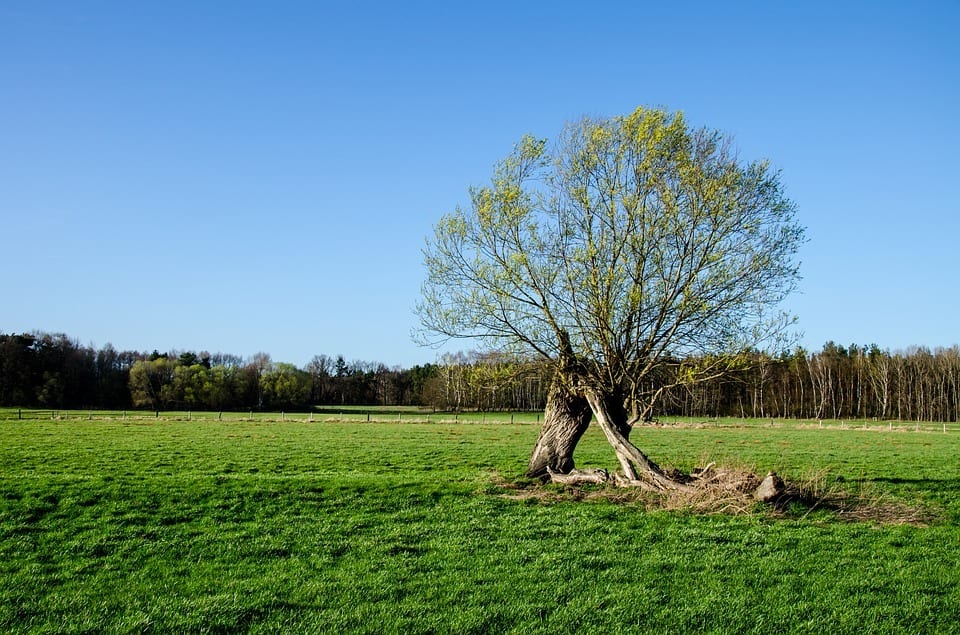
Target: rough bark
(638,469)
(565,419)
(578,477)
(571,403)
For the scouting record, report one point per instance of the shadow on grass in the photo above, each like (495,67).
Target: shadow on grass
(866,504)
(926,483)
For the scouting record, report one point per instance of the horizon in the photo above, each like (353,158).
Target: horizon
(350,360)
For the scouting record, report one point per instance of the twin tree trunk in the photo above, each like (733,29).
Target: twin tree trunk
(566,417)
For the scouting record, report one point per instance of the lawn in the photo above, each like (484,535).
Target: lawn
(118,525)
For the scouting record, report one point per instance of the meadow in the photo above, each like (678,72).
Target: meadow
(197,522)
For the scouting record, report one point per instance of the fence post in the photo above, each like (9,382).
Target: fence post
(19,414)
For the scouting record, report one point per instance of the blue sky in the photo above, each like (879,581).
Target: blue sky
(252,176)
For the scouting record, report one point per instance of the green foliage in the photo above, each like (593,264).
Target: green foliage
(131,526)
(151,382)
(285,385)
(634,239)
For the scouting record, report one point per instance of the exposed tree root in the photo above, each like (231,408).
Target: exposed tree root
(676,482)
(579,477)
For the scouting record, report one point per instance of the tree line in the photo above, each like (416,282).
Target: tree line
(55,371)
(837,382)
(856,382)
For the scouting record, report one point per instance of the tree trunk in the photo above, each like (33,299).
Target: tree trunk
(638,469)
(565,419)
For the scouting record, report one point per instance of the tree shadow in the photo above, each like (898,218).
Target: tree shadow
(866,501)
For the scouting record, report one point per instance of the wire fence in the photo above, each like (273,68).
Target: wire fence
(322,416)
(413,415)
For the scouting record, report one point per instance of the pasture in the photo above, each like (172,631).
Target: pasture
(205,523)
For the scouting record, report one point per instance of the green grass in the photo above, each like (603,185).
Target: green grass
(328,414)
(136,525)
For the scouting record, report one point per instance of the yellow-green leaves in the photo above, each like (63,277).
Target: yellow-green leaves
(634,234)
(530,148)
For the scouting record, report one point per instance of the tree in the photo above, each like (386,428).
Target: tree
(630,242)
(151,381)
(18,369)
(112,375)
(285,385)
(319,370)
(259,364)
(191,383)
(225,386)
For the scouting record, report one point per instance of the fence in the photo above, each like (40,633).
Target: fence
(323,416)
(413,415)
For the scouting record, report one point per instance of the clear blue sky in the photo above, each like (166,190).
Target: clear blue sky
(261,176)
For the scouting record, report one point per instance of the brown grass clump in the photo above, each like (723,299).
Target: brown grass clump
(730,490)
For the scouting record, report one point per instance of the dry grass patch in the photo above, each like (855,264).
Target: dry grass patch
(731,490)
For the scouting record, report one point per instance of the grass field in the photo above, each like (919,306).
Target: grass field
(117,525)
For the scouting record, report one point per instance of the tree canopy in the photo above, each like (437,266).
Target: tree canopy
(627,242)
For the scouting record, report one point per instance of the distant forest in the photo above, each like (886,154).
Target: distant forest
(43,370)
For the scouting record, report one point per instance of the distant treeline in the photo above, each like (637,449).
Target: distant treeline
(55,371)
(858,382)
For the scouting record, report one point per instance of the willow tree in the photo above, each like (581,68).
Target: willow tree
(627,243)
